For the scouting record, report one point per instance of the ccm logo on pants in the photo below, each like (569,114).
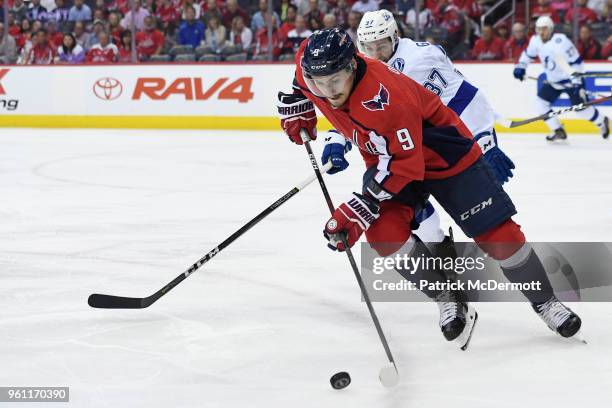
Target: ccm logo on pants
(477,208)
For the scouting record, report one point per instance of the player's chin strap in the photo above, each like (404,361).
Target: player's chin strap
(388,375)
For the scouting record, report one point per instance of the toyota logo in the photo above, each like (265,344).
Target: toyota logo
(107,88)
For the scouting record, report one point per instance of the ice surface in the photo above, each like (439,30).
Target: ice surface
(271,318)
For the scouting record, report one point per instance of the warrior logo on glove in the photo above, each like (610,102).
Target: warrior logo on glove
(296,113)
(294,110)
(349,221)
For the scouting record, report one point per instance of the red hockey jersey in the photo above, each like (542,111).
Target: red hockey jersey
(399,126)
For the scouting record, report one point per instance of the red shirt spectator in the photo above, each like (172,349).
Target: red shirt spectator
(125,47)
(104,51)
(261,43)
(42,53)
(125,55)
(149,41)
(167,13)
(448,16)
(232,9)
(296,36)
(513,48)
(56,39)
(587,46)
(114,26)
(14,30)
(204,4)
(543,8)
(585,14)
(116,35)
(470,7)
(289,23)
(24,34)
(606,52)
(488,47)
(517,42)
(122,5)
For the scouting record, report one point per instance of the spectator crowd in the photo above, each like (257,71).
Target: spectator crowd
(106,31)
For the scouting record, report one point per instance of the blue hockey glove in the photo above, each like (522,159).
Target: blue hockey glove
(498,161)
(335,148)
(519,73)
(576,79)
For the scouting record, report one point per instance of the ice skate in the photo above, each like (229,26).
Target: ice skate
(604,128)
(559,318)
(559,134)
(457,318)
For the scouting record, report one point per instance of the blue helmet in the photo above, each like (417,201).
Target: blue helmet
(327,52)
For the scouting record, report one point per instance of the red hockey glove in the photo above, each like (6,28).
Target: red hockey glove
(349,221)
(297,112)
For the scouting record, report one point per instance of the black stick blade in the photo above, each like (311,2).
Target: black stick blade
(115,302)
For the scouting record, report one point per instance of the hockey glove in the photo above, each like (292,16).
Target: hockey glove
(498,161)
(577,80)
(296,112)
(335,147)
(519,73)
(349,221)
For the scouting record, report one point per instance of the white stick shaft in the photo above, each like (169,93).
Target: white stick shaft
(326,167)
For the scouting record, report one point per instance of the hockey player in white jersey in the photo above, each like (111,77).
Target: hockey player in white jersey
(560,60)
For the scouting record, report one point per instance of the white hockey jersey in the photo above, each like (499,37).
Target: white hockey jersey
(553,54)
(428,65)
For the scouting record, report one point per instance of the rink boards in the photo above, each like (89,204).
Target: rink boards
(215,96)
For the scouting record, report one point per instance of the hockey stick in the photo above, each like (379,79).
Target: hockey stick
(565,67)
(120,302)
(509,123)
(593,74)
(591,94)
(388,375)
(577,75)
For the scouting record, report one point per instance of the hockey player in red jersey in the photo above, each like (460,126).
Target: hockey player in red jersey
(413,146)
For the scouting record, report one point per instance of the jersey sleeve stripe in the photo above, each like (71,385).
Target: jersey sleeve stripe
(463,97)
(577,61)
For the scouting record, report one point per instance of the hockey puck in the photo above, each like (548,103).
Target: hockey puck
(340,380)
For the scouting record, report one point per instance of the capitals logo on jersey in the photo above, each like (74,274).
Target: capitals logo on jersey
(379,101)
(399,64)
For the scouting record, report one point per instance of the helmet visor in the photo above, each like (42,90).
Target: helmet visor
(328,86)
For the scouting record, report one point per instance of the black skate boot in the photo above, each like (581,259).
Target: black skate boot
(457,318)
(446,249)
(558,135)
(558,317)
(604,128)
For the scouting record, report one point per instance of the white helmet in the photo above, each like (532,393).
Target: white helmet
(376,25)
(545,21)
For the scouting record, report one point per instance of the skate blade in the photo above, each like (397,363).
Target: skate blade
(464,338)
